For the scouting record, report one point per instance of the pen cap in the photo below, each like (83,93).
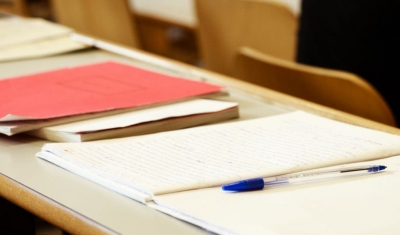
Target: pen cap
(245,185)
(376,168)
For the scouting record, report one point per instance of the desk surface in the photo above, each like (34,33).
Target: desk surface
(82,207)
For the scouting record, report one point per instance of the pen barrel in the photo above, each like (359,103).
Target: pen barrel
(310,175)
(331,172)
(304,178)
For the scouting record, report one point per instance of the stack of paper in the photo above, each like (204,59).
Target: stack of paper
(25,38)
(145,121)
(123,95)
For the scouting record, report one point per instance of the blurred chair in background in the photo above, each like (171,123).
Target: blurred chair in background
(333,88)
(17,7)
(109,20)
(226,25)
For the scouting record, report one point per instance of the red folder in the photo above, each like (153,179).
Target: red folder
(92,88)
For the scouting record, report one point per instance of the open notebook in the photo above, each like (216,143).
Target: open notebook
(200,159)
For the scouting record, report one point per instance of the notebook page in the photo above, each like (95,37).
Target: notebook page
(121,189)
(344,205)
(214,155)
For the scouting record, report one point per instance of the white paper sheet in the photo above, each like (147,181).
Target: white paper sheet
(144,115)
(15,31)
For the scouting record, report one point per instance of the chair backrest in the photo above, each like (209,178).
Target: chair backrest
(110,20)
(226,25)
(17,7)
(336,89)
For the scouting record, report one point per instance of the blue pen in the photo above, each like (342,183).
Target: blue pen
(259,183)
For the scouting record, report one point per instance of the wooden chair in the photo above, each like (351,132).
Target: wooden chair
(17,7)
(337,89)
(226,25)
(110,20)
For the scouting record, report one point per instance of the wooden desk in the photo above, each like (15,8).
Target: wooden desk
(81,207)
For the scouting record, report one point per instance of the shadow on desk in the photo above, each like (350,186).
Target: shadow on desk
(17,139)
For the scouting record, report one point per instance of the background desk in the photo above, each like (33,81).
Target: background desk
(82,207)
(182,12)
(169,28)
